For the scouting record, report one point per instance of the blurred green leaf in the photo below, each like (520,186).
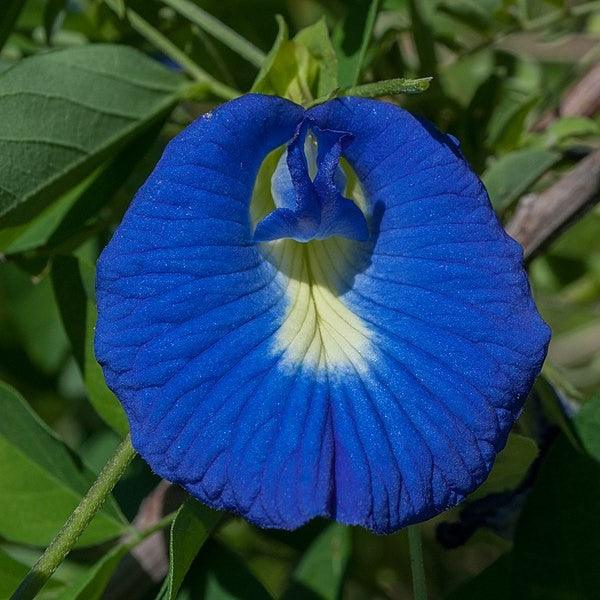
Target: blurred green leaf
(8,17)
(566,128)
(52,11)
(587,426)
(300,69)
(557,542)
(92,584)
(219,574)
(41,481)
(320,572)
(214,27)
(507,124)
(469,12)
(351,40)
(513,174)
(191,528)
(510,466)
(493,583)
(65,112)
(73,283)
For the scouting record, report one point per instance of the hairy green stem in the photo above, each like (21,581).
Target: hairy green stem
(416,563)
(68,535)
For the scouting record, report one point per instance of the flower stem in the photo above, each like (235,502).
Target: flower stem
(416,563)
(68,535)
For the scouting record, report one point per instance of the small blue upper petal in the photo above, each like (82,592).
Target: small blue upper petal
(227,393)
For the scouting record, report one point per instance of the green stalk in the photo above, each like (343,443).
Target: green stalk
(218,30)
(416,563)
(388,87)
(68,535)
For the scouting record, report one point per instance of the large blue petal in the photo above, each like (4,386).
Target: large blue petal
(372,382)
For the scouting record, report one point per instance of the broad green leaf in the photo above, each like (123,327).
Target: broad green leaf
(219,574)
(91,584)
(300,69)
(8,17)
(66,112)
(492,583)
(513,174)
(510,466)
(320,572)
(557,541)
(41,481)
(587,426)
(67,221)
(73,283)
(191,528)
(351,40)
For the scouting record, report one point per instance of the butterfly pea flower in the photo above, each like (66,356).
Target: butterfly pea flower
(316,313)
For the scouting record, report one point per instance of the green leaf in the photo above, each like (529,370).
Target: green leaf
(220,31)
(507,124)
(31,315)
(567,128)
(320,572)
(191,528)
(512,175)
(41,481)
(321,70)
(557,541)
(73,283)
(219,574)
(351,40)
(587,426)
(300,69)
(66,112)
(510,466)
(8,18)
(91,584)
(492,583)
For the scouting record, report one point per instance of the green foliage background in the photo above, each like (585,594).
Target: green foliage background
(90,93)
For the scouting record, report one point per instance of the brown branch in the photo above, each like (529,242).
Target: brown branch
(540,217)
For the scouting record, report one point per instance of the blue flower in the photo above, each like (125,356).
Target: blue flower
(284,352)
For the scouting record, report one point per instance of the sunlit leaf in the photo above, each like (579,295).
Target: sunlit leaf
(302,68)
